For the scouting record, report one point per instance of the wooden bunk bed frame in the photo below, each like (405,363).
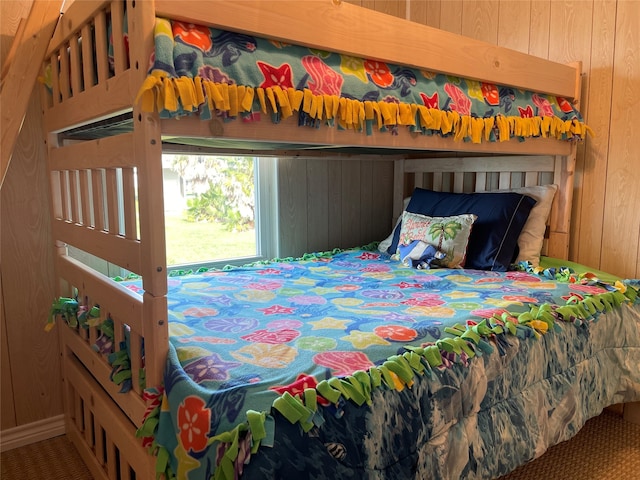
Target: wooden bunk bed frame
(85,176)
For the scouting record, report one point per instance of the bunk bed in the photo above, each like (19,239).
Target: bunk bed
(111,101)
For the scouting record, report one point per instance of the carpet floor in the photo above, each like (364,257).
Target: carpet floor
(607,448)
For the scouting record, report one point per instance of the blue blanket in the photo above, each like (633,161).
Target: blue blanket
(368,368)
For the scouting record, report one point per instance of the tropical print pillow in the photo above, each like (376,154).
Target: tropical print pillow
(447,234)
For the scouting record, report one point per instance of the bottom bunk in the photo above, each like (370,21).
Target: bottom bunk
(355,363)
(351,364)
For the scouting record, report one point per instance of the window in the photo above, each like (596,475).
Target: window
(219,209)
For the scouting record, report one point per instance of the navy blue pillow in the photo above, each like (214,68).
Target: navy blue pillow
(494,236)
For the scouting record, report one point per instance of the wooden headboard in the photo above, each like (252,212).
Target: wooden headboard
(479,174)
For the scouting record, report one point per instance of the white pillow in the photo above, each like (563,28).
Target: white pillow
(532,235)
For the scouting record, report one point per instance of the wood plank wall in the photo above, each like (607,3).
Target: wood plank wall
(30,374)
(325,204)
(603,35)
(328,203)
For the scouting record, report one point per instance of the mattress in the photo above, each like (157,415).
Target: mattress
(350,364)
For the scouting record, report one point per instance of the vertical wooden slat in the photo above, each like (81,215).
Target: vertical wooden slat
(56,194)
(112,470)
(68,391)
(428,181)
(560,219)
(112,201)
(88,424)
(125,470)
(83,333)
(118,333)
(129,194)
(78,416)
(64,191)
(418,180)
(104,316)
(98,193)
(102,55)
(75,66)
(65,86)
(530,178)
(99,450)
(93,332)
(458,182)
(517,180)
(505,180)
(117,37)
(437,181)
(85,210)
(481,181)
(88,69)
(447,182)
(493,180)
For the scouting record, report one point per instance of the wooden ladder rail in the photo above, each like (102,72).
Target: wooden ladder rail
(20,72)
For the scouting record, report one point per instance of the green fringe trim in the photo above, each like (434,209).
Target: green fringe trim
(76,315)
(159,92)
(370,247)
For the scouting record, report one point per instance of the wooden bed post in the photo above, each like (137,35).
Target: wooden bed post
(148,155)
(398,190)
(560,219)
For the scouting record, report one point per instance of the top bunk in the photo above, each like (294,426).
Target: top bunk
(259,76)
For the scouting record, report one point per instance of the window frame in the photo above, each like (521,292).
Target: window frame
(266,215)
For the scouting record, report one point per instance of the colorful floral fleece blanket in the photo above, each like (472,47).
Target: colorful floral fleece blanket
(197,69)
(352,365)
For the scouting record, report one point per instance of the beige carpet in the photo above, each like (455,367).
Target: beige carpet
(53,459)
(607,448)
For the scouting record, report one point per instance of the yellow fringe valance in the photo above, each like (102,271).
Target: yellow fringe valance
(185,95)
